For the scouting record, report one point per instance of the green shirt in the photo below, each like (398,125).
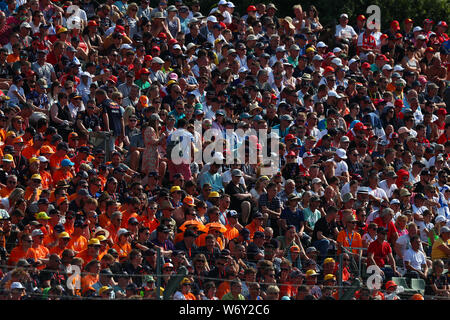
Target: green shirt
(142,85)
(229,296)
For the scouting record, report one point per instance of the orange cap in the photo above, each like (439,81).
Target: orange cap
(46,149)
(144,101)
(73,135)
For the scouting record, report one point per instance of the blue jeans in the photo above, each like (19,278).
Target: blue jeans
(322,246)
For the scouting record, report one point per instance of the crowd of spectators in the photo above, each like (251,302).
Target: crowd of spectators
(103,107)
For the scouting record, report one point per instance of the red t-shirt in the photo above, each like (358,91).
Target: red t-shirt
(391,229)
(380,251)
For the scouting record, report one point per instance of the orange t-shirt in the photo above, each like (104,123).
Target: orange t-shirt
(60,174)
(252,228)
(88,280)
(126,216)
(112,232)
(47,180)
(151,224)
(17,253)
(57,250)
(190,296)
(86,257)
(55,161)
(223,289)
(231,232)
(123,249)
(30,152)
(201,240)
(29,193)
(78,243)
(42,253)
(5,192)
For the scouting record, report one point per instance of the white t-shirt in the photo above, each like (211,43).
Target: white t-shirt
(421,225)
(341,167)
(183,150)
(388,190)
(405,244)
(346,32)
(14,99)
(415,258)
(178,296)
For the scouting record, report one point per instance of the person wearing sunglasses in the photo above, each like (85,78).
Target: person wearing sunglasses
(348,238)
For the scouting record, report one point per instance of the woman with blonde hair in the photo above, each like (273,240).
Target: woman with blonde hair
(133,20)
(151,158)
(9,202)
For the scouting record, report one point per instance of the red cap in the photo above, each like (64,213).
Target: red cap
(361,17)
(113,79)
(395,25)
(251,8)
(429,49)
(442,24)
(365,65)
(428,21)
(148,58)
(291,154)
(223,25)
(398,103)
(156,48)
(162,35)
(382,57)
(144,71)
(92,23)
(120,29)
(384,36)
(290,136)
(172,41)
(359,126)
(408,20)
(398,36)
(442,111)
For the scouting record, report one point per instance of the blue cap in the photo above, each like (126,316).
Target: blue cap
(245,115)
(67,163)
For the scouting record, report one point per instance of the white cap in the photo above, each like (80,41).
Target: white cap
(344,15)
(387,67)
(341,153)
(122,231)
(17,285)
(37,232)
(332,93)
(42,159)
(212,19)
(230,4)
(395,201)
(398,67)
(177,46)
(243,69)
(337,50)
(126,46)
(337,62)
(321,44)
(440,219)
(223,2)
(317,58)
(416,29)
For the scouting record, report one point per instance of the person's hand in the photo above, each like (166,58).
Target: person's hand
(398,274)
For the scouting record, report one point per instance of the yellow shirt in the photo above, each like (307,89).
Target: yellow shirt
(437,253)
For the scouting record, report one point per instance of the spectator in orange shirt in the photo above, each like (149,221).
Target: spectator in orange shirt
(147,218)
(78,242)
(11,184)
(122,245)
(42,252)
(34,148)
(63,241)
(114,226)
(90,275)
(34,189)
(64,173)
(255,224)
(43,219)
(81,157)
(47,180)
(348,237)
(60,154)
(184,292)
(131,212)
(46,151)
(92,251)
(51,239)
(232,221)
(23,250)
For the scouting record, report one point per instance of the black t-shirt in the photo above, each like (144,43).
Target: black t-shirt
(327,228)
(88,121)
(439,282)
(114,114)
(232,189)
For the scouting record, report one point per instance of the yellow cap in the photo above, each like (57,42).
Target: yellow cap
(104,289)
(175,189)
(8,158)
(171,82)
(101,237)
(329,277)
(36,176)
(311,273)
(310,49)
(42,216)
(328,260)
(10,133)
(185,280)
(94,241)
(63,235)
(33,160)
(214,194)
